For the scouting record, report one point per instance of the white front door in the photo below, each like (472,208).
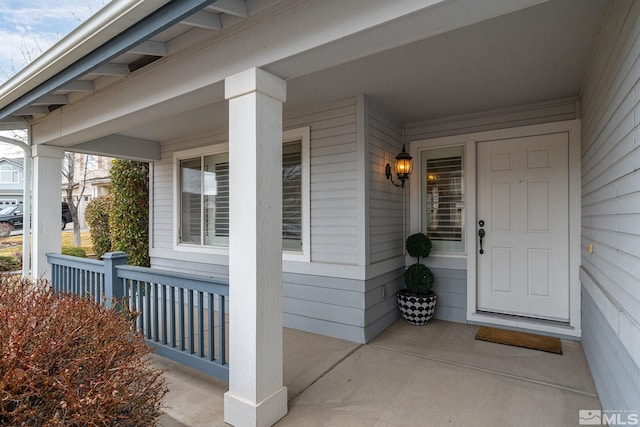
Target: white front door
(523,201)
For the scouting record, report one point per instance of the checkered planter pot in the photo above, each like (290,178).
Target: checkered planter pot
(416,310)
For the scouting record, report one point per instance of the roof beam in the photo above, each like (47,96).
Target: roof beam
(13,123)
(121,147)
(151,48)
(232,7)
(51,100)
(31,111)
(204,19)
(77,86)
(111,70)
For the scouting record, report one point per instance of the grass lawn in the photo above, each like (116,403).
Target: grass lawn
(67,240)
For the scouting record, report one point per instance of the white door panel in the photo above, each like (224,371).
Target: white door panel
(523,198)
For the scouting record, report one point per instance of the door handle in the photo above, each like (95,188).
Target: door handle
(481,234)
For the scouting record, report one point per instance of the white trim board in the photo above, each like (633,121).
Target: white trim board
(572,127)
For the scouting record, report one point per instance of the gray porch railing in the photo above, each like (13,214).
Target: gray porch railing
(183,316)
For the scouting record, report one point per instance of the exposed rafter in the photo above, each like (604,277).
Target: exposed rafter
(151,48)
(77,86)
(31,111)
(111,70)
(232,7)
(51,100)
(204,19)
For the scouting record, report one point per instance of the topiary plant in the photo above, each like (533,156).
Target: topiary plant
(418,277)
(418,246)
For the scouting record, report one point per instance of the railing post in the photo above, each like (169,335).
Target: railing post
(113,286)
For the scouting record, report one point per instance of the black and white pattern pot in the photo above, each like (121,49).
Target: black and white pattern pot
(416,310)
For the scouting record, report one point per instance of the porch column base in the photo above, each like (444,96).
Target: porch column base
(240,412)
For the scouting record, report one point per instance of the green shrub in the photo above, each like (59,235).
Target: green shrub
(97,215)
(418,277)
(129,214)
(418,245)
(67,361)
(8,263)
(73,251)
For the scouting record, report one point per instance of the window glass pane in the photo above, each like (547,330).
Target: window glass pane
(216,199)
(190,201)
(292,196)
(443,198)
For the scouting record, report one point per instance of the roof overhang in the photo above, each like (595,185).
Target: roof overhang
(121,27)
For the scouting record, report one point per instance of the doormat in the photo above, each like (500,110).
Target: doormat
(520,339)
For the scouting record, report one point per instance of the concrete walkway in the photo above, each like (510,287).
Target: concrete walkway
(436,375)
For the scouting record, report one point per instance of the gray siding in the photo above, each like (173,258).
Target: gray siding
(325,305)
(334,210)
(385,200)
(611,209)
(380,301)
(614,371)
(530,114)
(450,287)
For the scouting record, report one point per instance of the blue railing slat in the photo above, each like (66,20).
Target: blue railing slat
(172,313)
(172,334)
(164,315)
(222,330)
(190,323)
(212,329)
(147,295)
(201,324)
(181,312)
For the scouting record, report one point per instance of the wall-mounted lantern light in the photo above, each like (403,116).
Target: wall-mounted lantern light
(402,168)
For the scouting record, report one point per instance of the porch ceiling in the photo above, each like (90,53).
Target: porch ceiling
(535,54)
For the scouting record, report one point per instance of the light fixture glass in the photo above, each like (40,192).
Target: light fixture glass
(403,168)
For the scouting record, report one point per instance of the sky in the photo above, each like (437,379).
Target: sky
(29,27)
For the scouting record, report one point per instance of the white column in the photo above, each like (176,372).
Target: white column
(256,395)
(47,207)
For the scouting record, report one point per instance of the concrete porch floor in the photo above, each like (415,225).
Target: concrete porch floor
(435,375)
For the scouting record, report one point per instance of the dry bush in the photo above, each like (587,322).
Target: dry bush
(5,229)
(66,361)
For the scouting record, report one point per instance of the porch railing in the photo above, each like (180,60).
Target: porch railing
(183,316)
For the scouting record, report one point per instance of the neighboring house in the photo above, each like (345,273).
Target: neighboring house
(11,181)
(96,181)
(519,114)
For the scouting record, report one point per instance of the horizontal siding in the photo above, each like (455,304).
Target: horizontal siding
(324,305)
(611,209)
(385,200)
(334,215)
(380,300)
(614,371)
(450,287)
(529,114)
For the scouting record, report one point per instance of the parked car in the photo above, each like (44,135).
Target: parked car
(12,215)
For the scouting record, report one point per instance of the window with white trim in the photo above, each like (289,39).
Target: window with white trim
(9,175)
(203,196)
(442,198)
